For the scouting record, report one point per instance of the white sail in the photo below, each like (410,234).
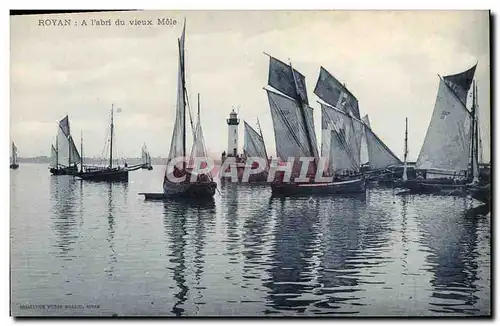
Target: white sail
(199,149)
(339,159)
(53,157)
(75,155)
(447,141)
(348,129)
(62,148)
(67,151)
(380,156)
(289,130)
(253,144)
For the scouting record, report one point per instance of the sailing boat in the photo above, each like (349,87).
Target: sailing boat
(177,181)
(382,164)
(106,173)
(64,156)
(295,136)
(146,158)
(448,158)
(14,164)
(254,146)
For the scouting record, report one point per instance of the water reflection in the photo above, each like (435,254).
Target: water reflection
(342,246)
(176,215)
(63,190)
(451,239)
(295,250)
(230,201)
(257,231)
(111,231)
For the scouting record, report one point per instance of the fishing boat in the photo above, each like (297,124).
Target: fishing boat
(181,179)
(448,160)
(14,164)
(254,146)
(64,156)
(295,135)
(146,158)
(254,149)
(106,173)
(383,166)
(481,193)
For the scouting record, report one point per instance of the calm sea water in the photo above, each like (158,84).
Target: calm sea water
(82,248)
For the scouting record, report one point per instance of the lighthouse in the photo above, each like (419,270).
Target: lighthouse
(232,136)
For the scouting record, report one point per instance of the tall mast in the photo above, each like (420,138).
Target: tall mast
(405,176)
(69,150)
(304,120)
(198,107)
(473,166)
(57,152)
(111,142)
(183,82)
(475,136)
(13,154)
(81,151)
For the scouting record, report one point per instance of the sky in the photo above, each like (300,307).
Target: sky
(390,60)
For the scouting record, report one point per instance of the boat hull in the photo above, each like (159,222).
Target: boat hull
(438,187)
(481,193)
(14,166)
(354,186)
(72,170)
(193,190)
(103,175)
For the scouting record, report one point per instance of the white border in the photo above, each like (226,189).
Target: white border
(185,4)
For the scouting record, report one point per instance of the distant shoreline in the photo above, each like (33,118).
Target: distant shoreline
(98,161)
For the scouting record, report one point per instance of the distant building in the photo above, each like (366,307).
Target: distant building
(232,137)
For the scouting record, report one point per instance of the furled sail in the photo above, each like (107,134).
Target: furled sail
(289,130)
(177,145)
(344,134)
(447,141)
(253,144)
(53,157)
(14,153)
(331,91)
(144,154)
(380,156)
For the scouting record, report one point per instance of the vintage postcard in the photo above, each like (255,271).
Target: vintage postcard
(250,163)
